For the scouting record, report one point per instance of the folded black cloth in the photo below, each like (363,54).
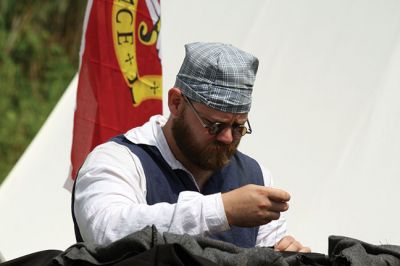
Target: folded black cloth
(210,250)
(350,251)
(148,247)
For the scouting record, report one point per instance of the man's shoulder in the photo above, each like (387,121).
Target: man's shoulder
(108,148)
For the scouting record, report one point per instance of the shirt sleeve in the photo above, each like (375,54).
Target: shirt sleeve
(110,201)
(272,232)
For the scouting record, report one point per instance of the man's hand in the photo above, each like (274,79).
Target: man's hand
(288,243)
(254,205)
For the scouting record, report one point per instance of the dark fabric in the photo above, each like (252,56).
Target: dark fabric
(169,254)
(159,255)
(218,252)
(139,248)
(164,184)
(303,259)
(149,247)
(40,258)
(350,251)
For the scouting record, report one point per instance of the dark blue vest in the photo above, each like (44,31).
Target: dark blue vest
(164,184)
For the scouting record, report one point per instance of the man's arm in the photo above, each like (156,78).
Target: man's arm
(110,201)
(254,205)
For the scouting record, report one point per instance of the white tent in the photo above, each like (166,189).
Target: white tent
(325,117)
(34,206)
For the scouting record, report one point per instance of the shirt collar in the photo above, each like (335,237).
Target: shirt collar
(151,134)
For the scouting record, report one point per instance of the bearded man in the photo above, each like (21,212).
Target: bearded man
(184,174)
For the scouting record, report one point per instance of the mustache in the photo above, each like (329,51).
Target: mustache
(219,147)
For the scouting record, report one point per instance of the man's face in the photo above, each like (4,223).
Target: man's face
(208,152)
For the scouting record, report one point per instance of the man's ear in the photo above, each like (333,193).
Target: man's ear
(175,101)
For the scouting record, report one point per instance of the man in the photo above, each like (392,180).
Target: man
(185,174)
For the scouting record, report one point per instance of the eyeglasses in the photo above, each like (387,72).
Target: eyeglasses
(217,127)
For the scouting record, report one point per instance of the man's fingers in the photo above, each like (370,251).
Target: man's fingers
(276,194)
(272,216)
(284,243)
(297,247)
(294,246)
(288,243)
(278,206)
(305,250)
(254,205)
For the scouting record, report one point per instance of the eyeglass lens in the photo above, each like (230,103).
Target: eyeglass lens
(217,127)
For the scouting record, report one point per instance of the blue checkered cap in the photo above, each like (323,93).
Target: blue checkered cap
(218,75)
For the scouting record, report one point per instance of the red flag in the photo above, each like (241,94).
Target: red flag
(119,83)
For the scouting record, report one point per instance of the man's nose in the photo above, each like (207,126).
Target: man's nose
(225,136)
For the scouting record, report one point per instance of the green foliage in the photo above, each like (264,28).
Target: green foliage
(39,44)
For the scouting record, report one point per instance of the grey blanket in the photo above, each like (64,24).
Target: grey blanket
(342,251)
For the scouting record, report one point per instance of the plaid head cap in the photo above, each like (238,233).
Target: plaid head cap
(218,75)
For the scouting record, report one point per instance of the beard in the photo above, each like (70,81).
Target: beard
(212,156)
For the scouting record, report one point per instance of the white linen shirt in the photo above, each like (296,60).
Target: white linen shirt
(110,196)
